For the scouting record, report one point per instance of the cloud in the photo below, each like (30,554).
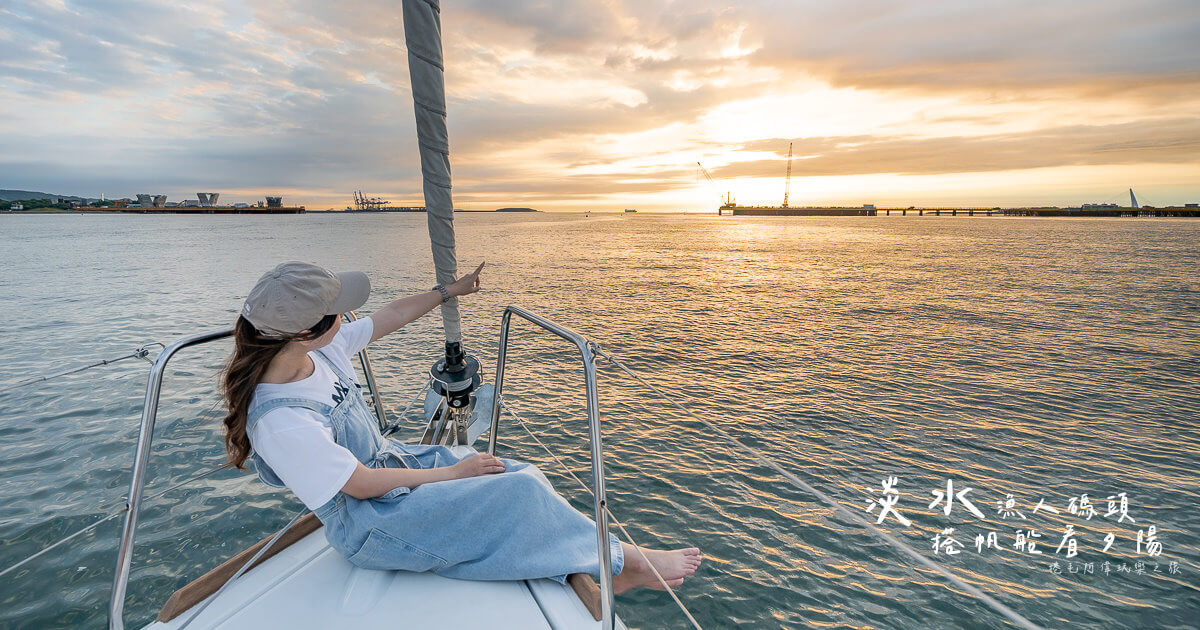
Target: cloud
(991,45)
(1172,141)
(570,100)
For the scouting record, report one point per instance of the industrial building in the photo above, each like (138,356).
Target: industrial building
(206,203)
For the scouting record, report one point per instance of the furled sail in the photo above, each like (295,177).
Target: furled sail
(423,36)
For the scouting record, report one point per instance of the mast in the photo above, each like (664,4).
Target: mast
(455,376)
(423,36)
(787,182)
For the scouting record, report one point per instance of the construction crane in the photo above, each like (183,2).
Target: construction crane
(788,180)
(728,200)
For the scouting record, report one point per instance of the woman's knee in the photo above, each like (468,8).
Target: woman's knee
(523,481)
(512,465)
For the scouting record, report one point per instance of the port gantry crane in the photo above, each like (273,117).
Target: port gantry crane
(362,203)
(787,182)
(727,202)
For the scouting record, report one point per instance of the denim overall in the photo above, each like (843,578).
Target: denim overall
(506,526)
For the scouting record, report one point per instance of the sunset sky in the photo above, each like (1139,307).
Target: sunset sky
(602,105)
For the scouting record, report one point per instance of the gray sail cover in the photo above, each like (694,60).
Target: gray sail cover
(423,36)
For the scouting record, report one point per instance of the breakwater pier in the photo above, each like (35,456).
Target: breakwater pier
(1189,211)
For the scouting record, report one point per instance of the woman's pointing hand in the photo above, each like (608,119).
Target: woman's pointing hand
(466,284)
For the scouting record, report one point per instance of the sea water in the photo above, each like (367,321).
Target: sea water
(881,359)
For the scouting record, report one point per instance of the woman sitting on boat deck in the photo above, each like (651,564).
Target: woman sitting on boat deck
(296,410)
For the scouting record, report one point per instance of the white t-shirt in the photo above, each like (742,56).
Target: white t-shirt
(297,443)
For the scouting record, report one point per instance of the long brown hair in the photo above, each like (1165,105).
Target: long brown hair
(252,354)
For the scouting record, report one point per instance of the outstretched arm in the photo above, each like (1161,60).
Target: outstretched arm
(400,312)
(367,483)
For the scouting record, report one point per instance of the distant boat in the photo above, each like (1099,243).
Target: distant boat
(630,210)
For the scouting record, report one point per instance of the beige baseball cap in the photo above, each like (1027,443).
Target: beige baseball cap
(295,296)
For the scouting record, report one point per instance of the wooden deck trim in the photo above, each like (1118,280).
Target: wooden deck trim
(587,590)
(204,586)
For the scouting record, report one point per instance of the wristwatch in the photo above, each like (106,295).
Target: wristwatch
(445,294)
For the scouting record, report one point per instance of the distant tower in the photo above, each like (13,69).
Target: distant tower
(1132,199)
(274,202)
(788,180)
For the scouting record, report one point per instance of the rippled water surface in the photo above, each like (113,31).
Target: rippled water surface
(1041,358)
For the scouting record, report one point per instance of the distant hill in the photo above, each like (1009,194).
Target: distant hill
(21,195)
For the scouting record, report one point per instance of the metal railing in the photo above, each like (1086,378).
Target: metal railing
(616,521)
(116,604)
(369,374)
(589,351)
(586,352)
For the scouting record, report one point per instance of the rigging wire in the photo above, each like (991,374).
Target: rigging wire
(124,502)
(63,541)
(612,516)
(109,517)
(991,602)
(394,426)
(142,352)
(243,569)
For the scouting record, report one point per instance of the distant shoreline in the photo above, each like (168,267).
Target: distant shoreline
(1003,213)
(501,211)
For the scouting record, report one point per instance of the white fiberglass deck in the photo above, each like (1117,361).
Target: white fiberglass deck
(309,585)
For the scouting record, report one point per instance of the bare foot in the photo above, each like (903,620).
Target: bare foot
(673,566)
